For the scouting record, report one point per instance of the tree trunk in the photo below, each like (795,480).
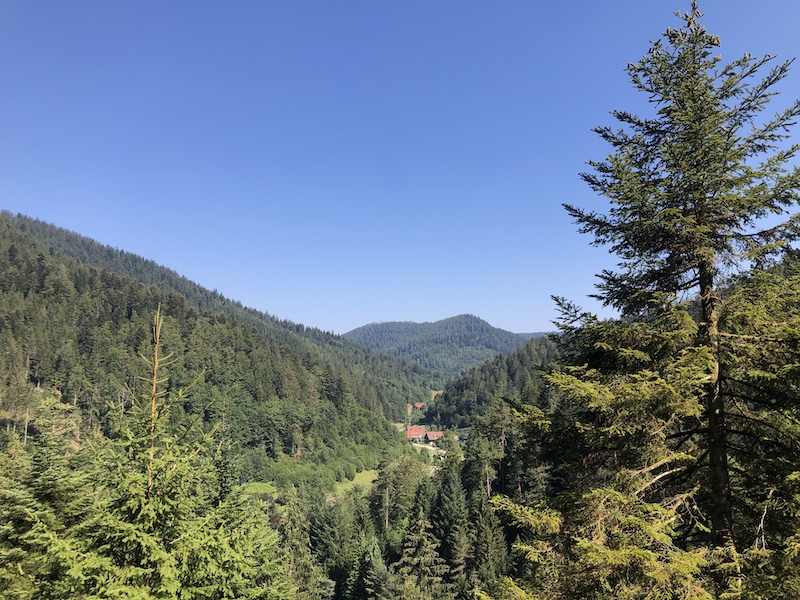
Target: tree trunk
(386,508)
(25,433)
(721,525)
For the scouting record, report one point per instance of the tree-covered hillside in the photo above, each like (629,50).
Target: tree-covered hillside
(508,377)
(290,414)
(385,384)
(451,346)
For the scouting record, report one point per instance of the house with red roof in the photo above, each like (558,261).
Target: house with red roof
(433,436)
(415,432)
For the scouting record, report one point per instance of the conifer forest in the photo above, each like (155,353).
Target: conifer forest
(159,441)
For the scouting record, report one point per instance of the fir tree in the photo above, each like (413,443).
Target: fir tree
(368,579)
(450,519)
(422,569)
(676,410)
(160,528)
(689,188)
(338,538)
(45,494)
(302,568)
(488,556)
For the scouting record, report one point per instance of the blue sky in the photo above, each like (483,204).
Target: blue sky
(339,163)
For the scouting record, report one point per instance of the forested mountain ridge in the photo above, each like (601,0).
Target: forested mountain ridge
(291,415)
(451,346)
(514,378)
(119,475)
(389,383)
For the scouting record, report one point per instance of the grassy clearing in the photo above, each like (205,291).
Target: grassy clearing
(362,478)
(258,488)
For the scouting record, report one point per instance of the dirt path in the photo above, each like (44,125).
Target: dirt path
(429,448)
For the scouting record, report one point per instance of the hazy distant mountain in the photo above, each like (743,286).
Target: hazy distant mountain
(451,346)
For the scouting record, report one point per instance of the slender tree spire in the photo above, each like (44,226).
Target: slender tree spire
(689,189)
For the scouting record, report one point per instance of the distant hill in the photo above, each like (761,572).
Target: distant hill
(450,346)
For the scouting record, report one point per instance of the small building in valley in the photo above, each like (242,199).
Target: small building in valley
(433,436)
(415,433)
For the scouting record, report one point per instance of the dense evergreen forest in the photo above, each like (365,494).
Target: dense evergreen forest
(649,456)
(510,378)
(378,379)
(450,346)
(78,332)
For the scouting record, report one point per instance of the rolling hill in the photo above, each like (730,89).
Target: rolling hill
(451,346)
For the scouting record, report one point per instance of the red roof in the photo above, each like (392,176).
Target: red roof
(432,436)
(415,431)
(419,405)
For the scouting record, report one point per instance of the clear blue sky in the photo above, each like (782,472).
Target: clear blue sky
(338,163)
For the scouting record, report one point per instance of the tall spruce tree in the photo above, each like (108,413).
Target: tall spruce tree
(450,520)
(680,478)
(367,580)
(160,528)
(487,562)
(690,188)
(301,566)
(422,570)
